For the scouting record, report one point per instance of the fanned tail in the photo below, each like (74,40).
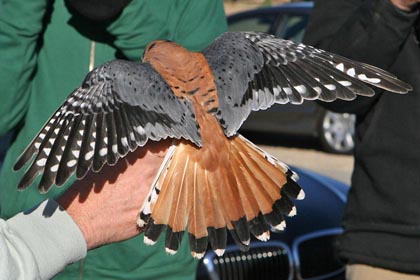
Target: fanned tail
(247,195)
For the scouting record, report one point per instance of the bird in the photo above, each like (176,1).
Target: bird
(212,180)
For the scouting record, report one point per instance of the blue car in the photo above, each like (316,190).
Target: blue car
(334,131)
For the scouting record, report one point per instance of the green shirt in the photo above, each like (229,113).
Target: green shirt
(45,54)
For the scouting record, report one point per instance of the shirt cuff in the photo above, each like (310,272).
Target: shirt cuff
(52,236)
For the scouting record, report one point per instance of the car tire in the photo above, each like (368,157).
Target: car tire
(336,132)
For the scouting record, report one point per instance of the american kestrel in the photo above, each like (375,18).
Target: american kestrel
(212,179)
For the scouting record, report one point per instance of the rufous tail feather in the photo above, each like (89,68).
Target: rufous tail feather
(247,195)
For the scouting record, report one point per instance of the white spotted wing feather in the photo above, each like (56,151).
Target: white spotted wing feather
(253,71)
(119,106)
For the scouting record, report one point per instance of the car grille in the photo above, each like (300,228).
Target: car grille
(263,261)
(311,257)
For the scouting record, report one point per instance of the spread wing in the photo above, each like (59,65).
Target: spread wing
(119,106)
(253,71)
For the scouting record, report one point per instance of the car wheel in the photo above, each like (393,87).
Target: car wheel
(336,132)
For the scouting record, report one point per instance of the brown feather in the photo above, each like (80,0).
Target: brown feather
(197,224)
(259,169)
(161,211)
(179,212)
(214,216)
(249,202)
(257,189)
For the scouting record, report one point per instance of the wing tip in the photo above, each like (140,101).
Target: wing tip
(22,160)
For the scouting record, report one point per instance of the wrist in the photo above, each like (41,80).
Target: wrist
(74,210)
(82,222)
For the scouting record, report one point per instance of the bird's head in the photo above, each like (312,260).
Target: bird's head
(165,52)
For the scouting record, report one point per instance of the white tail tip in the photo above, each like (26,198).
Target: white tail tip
(264,237)
(292,212)
(148,241)
(295,176)
(140,222)
(170,251)
(219,252)
(281,226)
(197,256)
(301,195)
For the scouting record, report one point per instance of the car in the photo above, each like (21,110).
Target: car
(304,250)
(335,131)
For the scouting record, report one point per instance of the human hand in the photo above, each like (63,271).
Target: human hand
(105,205)
(405,5)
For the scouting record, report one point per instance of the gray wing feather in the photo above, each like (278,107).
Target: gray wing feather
(119,106)
(253,71)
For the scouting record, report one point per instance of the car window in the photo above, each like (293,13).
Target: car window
(259,23)
(292,27)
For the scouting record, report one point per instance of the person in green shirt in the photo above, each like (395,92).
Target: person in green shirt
(46,49)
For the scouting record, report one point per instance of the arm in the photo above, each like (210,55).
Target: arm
(372,31)
(98,211)
(37,247)
(21,23)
